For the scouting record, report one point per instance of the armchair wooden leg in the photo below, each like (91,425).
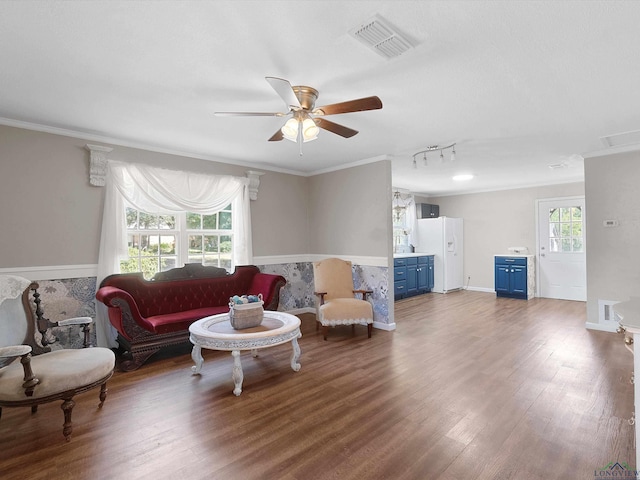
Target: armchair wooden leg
(369,329)
(103,394)
(325,331)
(67,408)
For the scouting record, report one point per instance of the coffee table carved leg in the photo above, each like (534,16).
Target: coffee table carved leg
(296,355)
(254,352)
(196,355)
(238,375)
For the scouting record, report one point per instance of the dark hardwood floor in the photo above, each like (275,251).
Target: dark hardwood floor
(467,387)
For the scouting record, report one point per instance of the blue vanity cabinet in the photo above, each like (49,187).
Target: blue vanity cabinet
(511,277)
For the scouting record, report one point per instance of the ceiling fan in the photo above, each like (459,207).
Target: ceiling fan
(306,119)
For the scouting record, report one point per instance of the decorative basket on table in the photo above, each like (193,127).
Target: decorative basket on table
(246,311)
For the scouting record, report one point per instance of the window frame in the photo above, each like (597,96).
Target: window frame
(182,253)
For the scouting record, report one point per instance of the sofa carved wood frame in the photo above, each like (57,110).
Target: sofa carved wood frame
(142,344)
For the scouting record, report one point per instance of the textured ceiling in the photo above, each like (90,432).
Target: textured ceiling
(518,85)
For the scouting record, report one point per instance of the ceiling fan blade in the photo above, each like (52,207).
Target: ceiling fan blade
(276,137)
(359,105)
(249,114)
(283,88)
(341,130)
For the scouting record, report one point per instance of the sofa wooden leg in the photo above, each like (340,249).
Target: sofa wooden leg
(133,361)
(369,329)
(325,331)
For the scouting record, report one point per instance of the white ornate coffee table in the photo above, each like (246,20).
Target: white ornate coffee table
(216,333)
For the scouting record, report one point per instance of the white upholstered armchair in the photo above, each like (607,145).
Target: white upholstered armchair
(336,298)
(43,375)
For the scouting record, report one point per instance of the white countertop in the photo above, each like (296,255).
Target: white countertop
(516,255)
(413,254)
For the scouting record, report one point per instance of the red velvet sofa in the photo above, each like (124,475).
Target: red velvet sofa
(151,314)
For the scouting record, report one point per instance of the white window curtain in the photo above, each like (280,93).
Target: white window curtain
(157,190)
(411,220)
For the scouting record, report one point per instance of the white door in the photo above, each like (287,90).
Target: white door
(562,269)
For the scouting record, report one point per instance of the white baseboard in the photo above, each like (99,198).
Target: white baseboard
(385,326)
(480,289)
(56,272)
(602,327)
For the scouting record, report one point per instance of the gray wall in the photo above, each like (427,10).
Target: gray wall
(495,221)
(612,185)
(351,211)
(51,215)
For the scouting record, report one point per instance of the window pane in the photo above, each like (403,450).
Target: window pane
(225,220)
(192,259)
(209,221)
(554,245)
(193,221)
(132,218)
(225,244)
(565,214)
(148,221)
(577,244)
(554,230)
(149,244)
(554,215)
(576,213)
(225,263)
(210,243)
(565,230)
(133,242)
(576,230)
(210,260)
(566,244)
(167,222)
(167,244)
(167,263)
(195,244)
(149,267)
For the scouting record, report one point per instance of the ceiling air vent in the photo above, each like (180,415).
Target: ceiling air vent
(381,38)
(619,139)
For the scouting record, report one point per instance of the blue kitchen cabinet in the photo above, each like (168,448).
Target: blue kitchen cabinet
(413,275)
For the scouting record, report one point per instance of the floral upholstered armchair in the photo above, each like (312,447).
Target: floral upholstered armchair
(42,375)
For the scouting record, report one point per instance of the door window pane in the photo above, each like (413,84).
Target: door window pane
(566,230)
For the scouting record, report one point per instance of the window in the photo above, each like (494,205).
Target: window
(160,242)
(565,230)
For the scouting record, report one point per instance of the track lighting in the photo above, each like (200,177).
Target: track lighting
(433,148)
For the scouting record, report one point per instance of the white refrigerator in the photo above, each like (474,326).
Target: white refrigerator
(442,237)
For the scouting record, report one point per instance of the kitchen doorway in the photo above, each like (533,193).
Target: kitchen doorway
(561,248)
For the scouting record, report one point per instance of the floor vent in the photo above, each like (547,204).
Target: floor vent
(381,38)
(605,312)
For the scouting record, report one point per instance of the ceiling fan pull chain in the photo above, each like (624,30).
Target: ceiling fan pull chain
(300,142)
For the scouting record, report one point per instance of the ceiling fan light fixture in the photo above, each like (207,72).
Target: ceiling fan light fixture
(309,130)
(290,130)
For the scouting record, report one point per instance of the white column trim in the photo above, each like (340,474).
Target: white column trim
(98,164)
(254,183)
